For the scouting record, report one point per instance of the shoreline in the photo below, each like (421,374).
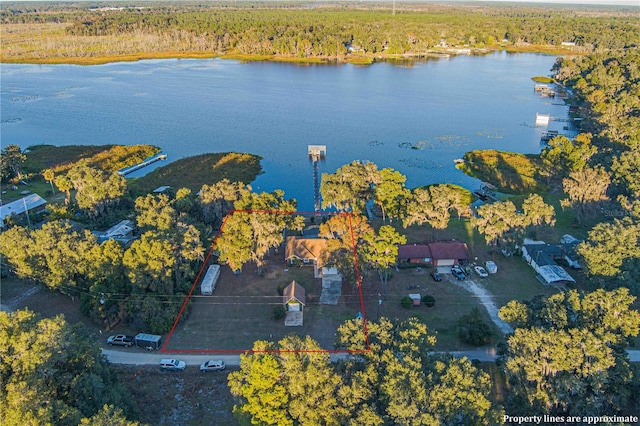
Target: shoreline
(354,59)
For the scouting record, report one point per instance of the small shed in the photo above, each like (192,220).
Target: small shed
(294,297)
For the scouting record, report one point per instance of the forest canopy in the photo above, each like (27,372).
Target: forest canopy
(333,31)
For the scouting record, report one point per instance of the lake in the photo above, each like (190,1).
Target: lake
(416,118)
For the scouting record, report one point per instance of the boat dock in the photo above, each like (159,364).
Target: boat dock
(316,153)
(544,90)
(145,163)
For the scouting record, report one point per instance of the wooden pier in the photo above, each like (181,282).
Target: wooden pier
(128,170)
(316,153)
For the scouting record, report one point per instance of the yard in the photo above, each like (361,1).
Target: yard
(240,311)
(241,308)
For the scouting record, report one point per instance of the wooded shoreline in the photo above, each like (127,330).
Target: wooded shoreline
(49,33)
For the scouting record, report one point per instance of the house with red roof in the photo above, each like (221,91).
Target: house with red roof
(433,253)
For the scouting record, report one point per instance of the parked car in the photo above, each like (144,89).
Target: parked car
(436,276)
(491,266)
(172,364)
(120,340)
(212,365)
(458,273)
(481,271)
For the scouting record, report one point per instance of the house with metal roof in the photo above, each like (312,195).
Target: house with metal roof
(18,207)
(543,259)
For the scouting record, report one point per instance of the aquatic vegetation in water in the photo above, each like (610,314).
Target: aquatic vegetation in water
(436,142)
(25,98)
(421,163)
(492,133)
(11,120)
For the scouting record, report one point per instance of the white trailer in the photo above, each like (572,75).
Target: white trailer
(210,280)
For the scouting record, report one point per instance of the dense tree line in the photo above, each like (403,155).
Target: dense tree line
(144,282)
(328,31)
(398,381)
(602,178)
(53,374)
(566,356)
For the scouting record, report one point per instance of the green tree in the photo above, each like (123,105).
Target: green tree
(108,287)
(504,226)
(564,156)
(64,184)
(290,383)
(433,205)
(626,171)
(218,199)
(53,254)
(350,187)
(381,252)
(473,330)
(52,373)
(108,416)
(566,356)
(11,160)
(608,245)
(49,175)
(587,190)
(149,264)
(96,189)
(390,193)
(397,381)
(344,233)
(262,219)
(155,211)
(184,200)
(497,222)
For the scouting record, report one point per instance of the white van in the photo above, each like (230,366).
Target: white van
(172,364)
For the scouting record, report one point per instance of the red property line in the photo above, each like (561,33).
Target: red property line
(204,264)
(186,300)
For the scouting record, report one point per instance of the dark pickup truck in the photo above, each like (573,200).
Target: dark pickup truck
(120,340)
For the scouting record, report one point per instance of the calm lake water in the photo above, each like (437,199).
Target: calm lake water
(416,119)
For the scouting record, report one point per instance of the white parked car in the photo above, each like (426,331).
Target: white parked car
(172,364)
(480,271)
(212,365)
(491,266)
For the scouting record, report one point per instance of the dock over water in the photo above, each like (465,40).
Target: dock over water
(145,163)
(316,153)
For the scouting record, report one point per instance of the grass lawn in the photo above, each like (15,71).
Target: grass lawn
(240,310)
